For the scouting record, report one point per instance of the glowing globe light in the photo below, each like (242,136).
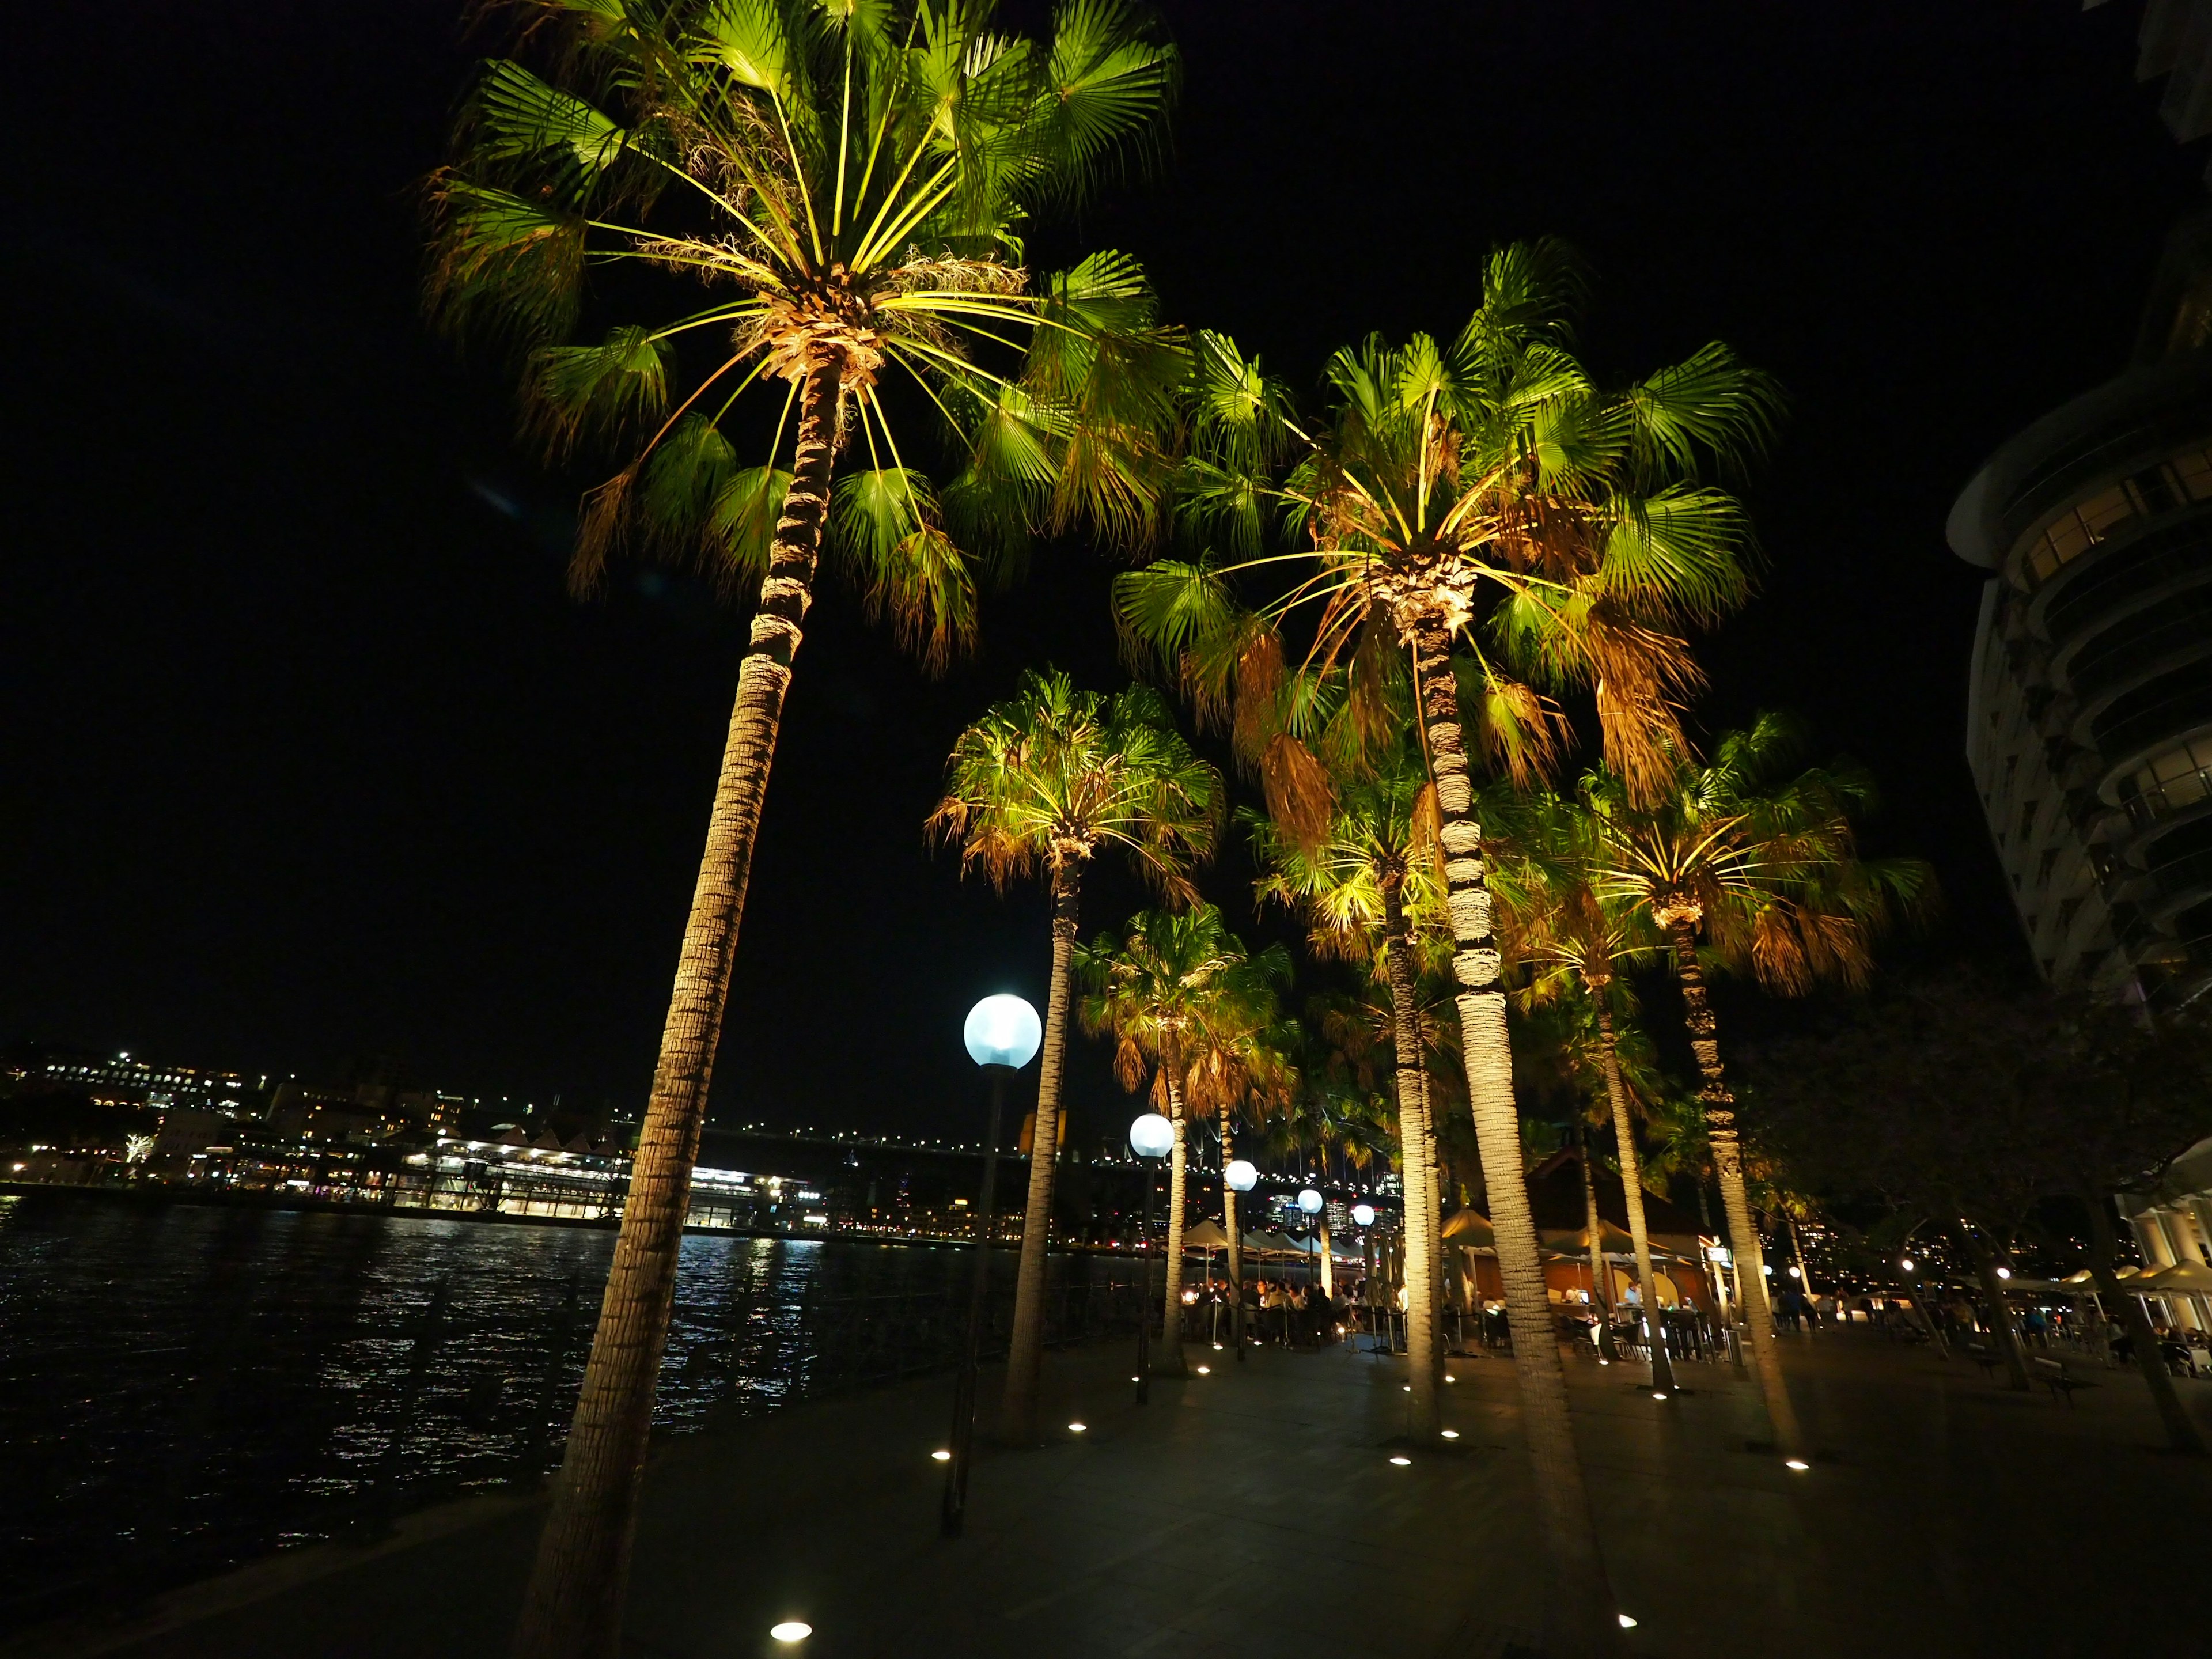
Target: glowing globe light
(1002,1031)
(1310,1202)
(2005,1273)
(1240,1177)
(1152,1136)
(1364,1214)
(1906,1264)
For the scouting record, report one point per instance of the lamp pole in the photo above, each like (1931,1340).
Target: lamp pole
(1151,1136)
(1002,1034)
(1237,1176)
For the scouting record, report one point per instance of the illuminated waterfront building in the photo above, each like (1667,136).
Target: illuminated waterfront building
(2089,713)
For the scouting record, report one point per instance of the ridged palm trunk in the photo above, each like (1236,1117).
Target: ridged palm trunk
(2000,1321)
(1417,1149)
(1583,1600)
(1018,1413)
(1631,1188)
(1682,925)
(1601,1301)
(573,1607)
(1167,1359)
(1236,1246)
(2181,1430)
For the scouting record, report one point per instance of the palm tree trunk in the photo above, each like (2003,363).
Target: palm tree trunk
(2007,1333)
(1417,1145)
(1229,1225)
(1432,1213)
(573,1607)
(1727,1167)
(1601,1301)
(1017,1414)
(1631,1189)
(1584,1595)
(2181,1430)
(1167,1359)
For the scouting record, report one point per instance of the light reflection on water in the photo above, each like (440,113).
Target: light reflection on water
(183,1387)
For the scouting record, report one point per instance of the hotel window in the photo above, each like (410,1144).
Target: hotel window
(2180,777)
(2161,489)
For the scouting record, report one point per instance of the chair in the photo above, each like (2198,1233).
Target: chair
(2054,1375)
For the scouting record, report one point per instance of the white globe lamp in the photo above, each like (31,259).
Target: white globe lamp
(1152,1136)
(1240,1177)
(1310,1201)
(1003,1031)
(1364,1214)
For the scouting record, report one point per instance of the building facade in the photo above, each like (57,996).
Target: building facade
(2090,714)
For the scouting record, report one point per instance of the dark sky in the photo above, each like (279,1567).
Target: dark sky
(307,756)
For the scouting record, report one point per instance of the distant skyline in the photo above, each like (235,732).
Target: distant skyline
(310,755)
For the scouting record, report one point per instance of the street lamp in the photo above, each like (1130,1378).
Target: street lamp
(1363,1214)
(1002,1034)
(1151,1136)
(1310,1201)
(1238,1177)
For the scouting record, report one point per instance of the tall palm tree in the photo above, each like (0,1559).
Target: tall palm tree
(1363,887)
(1187,1004)
(1567,929)
(1038,785)
(1764,862)
(847,186)
(1485,495)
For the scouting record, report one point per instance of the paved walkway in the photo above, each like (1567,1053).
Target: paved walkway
(1254,1511)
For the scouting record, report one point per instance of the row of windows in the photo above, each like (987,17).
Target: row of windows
(2158,489)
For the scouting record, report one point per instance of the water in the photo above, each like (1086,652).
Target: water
(184,1388)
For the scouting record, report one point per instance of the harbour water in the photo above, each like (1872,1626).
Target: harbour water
(184,1388)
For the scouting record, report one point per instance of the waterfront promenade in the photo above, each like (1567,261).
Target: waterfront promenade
(1254,1511)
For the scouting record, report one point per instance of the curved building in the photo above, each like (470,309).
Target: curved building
(2090,717)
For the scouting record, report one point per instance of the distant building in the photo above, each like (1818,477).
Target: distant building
(2089,715)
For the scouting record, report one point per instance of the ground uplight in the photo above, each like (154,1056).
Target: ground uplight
(1797,1463)
(791,1630)
(1658,1394)
(1206,1370)
(1401,1462)
(942,1456)
(1449,1434)
(1626,1623)
(1077,1428)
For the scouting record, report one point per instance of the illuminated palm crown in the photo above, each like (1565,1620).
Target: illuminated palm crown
(1047,777)
(1559,531)
(844,183)
(1763,857)
(1183,998)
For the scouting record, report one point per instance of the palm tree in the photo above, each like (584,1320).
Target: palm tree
(847,184)
(1486,496)
(1359,886)
(1567,929)
(1038,785)
(1186,1004)
(1766,865)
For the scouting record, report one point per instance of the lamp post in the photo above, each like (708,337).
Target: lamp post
(1310,1201)
(1003,1034)
(1238,1177)
(1151,1136)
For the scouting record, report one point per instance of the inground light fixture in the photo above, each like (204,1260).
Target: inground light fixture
(1401,1462)
(791,1630)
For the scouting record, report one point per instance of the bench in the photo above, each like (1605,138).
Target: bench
(1984,1356)
(2054,1375)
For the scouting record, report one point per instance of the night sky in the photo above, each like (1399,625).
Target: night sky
(309,758)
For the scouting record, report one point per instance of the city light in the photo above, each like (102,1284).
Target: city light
(1906,1264)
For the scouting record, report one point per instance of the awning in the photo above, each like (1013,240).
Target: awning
(2186,1278)
(1206,1236)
